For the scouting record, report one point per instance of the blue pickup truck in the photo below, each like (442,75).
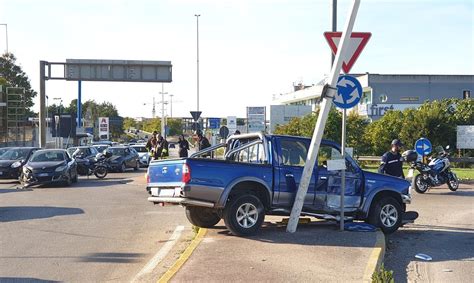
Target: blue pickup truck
(253,175)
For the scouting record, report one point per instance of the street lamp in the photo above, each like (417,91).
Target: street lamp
(197,50)
(163,132)
(6,34)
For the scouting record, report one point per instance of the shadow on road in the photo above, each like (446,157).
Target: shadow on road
(320,233)
(18,213)
(112,257)
(94,183)
(463,193)
(23,280)
(3,191)
(403,245)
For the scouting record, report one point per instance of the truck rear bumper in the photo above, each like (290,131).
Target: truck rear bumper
(180,200)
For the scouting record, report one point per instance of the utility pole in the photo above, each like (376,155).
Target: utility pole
(197,49)
(163,129)
(171,105)
(153,109)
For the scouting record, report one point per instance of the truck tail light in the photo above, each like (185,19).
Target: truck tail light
(147,178)
(186,173)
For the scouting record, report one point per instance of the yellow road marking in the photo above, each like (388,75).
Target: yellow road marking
(375,258)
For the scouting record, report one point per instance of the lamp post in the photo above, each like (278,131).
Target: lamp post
(163,132)
(171,106)
(6,34)
(197,51)
(57,119)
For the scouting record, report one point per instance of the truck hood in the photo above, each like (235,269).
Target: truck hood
(375,181)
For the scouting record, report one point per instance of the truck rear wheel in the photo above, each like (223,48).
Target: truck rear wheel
(244,215)
(202,216)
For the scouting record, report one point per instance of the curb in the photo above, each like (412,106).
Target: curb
(376,257)
(166,277)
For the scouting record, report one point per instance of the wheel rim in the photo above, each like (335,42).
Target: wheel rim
(421,185)
(247,215)
(454,183)
(389,215)
(123,167)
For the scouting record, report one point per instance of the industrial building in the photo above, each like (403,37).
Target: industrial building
(385,92)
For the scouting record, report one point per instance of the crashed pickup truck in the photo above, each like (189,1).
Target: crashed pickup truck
(256,175)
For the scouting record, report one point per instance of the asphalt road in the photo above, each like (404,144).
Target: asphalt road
(93,231)
(444,231)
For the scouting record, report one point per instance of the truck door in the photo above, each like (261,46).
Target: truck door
(292,156)
(330,181)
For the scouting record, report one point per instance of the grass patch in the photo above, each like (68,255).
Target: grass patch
(383,276)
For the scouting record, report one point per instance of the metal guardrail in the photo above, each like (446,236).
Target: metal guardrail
(452,159)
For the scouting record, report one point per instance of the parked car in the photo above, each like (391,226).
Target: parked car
(4,149)
(123,157)
(86,152)
(103,142)
(260,174)
(12,161)
(143,154)
(101,147)
(49,166)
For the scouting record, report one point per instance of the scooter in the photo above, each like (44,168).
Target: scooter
(437,172)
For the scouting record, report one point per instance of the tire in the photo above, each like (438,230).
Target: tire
(69,180)
(381,211)
(122,168)
(202,216)
(453,182)
(100,172)
(137,166)
(244,215)
(420,186)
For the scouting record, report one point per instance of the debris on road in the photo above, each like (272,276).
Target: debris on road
(424,257)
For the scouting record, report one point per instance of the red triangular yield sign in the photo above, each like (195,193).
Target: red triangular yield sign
(358,40)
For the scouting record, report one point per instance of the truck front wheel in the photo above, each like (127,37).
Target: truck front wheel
(386,214)
(244,215)
(202,216)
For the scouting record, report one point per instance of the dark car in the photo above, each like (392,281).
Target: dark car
(123,157)
(4,149)
(49,166)
(84,152)
(100,147)
(12,161)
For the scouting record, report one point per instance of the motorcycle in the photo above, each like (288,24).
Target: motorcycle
(98,166)
(435,173)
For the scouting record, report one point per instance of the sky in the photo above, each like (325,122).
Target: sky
(250,50)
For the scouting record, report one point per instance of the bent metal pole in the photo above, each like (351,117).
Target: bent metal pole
(322,118)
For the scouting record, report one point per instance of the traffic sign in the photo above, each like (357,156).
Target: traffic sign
(214,123)
(357,42)
(349,92)
(224,132)
(423,146)
(195,115)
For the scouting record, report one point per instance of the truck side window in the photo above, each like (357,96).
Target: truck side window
(293,153)
(327,152)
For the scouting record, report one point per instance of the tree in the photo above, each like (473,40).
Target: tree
(12,75)
(175,126)
(129,123)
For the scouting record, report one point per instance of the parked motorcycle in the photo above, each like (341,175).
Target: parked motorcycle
(98,166)
(435,173)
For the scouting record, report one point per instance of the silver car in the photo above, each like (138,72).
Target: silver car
(143,154)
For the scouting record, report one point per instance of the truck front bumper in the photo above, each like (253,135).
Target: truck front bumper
(180,200)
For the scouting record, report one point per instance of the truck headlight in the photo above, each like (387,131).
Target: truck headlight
(26,170)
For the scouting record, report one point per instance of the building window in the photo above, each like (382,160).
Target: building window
(366,97)
(410,98)
(466,94)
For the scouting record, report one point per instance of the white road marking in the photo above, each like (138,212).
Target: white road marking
(160,255)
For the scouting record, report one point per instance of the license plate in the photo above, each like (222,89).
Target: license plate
(410,173)
(166,193)
(43,174)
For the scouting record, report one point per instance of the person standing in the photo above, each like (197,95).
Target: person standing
(152,145)
(162,147)
(183,145)
(203,142)
(392,161)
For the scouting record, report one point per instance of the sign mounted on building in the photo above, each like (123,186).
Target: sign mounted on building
(104,128)
(465,137)
(378,110)
(256,119)
(357,42)
(349,92)
(118,70)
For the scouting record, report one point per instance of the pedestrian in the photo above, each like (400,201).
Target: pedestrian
(163,146)
(152,145)
(203,142)
(183,145)
(392,161)
(235,143)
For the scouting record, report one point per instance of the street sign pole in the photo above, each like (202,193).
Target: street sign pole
(343,173)
(321,122)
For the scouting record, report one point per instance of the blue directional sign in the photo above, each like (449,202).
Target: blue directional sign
(214,123)
(423,146)
(349,92)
